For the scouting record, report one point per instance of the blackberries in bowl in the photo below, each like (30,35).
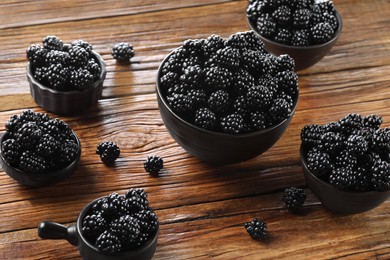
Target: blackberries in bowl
(37,150)
(304,29)
(346,163)
(226,100)
(65,78)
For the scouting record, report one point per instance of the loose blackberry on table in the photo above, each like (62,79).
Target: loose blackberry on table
(154,164)
(108,151)
(123,52)
(257,228)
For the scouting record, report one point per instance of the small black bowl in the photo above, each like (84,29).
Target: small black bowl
(42,179)
(73,234)
(339,201)
(304,56)
(67,102)
(214,147)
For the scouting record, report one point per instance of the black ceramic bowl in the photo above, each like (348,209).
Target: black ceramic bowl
(43,179)
(73,234)
(339,201)
(214,147)
(67,102)
(305,56)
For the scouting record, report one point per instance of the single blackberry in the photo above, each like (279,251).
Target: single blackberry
(311,134)
(381,141)
(259,97)
(302,4)
(269,81)
(256,9)
(108,151)
(171,65)
(381,175)
(342,178)
(28,135)
(326,6)
(194,47)
(110,206)
(256,63)
(40,74)
(240,106)
(321,33)
(153,164)
(316,15)
(193,76)
(226,57)
(148,221)
(280,109)
(283,36)
(36,55)
(257,228)
(332,127)
(32,162)
(180,103)
(300,38)
(47,146)
(331,142)
(11,150)
(212,44)
(266,26)
(83,44)
(372,121)
(57,76)
(177,89)
(331,20)
(169,79)
(350,123)
(93,225)
(218,77)
(301,18)
(68,152)
(236,41)
(259,120)
(356,144)
(52,43)
(80,79)
(242,81)
(136,192)
(78,56)
(282,15)
(284,63)
(363,180)
(346,159)
(108,243)
(205,118)
(319,163)
(252,40)
(126,228)
(94,68)
(287,82)
(55,57)
(123,52)
(58,129)
(135,204)
(219,101)
(294,198)
(232,124)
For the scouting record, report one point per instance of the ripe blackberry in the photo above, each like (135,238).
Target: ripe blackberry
(259,120)
(232,124)
(255,62)
(266,26)
(55,57)
(219,101)
(322,32)
(226,57)
(193,76)
(372,121)
(331,20)
(300,38)
(94,68)
(319,163)
(240,106)
(11,150)
(108,151)
(93,225)
(40,74)
(252,40)
(126,228)
(36,55)
(218,77)
(331,142)
(326,6)
(381,141)
(108,243)
(242,81)
(83,44)
(257,228)
(287,82)
(110,206)
(68,152)
(363,180)
(180,103)
(123,52)
(28,135)
(135,204)
(301,18)
(198,97)
(148,221)
(283,36)
(205,118)
(284,63)
(332,127)
(212,44)
(136,192)
(350,123)
(236,41)
(294,198)
(343,178)
(78,56)
(311,134)
(177,89)
(32,162)
(282,15)
(259,97)
(52,43)
(194,47)
(81,79)
(57,76)
(47,146)
(381,175)
(256,9)
(153,164)
(346,159)
(356,144)
(280,109)
(169,79)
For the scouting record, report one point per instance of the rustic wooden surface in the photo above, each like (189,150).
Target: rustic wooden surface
(201,208)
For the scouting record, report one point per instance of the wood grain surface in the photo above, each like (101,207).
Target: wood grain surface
(201,208)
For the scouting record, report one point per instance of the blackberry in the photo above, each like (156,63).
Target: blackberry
(32,162)
(57,76)
(300,38)
(11,150)
(256,63)
(108,151)
(294,198)
(94,68)
(287,82)
(372,121)
(81,79)
(171,65)
(282,15)
(381,175)
(285,63)
(331,20)
(226,57)
(52,43)
(148,221)
(316,15)
(322,32)
(363,179)
(356,144)
(283,36)
(135,204)
(153,164)
(93,225)
(218,77)
(78,56)
(280,110)
(169,79)
(198,97)
(36,55)
(301,18)
(346,159)
(108,243)
(212,44)
(240,106)
(177,89)
(110,206)
(28,135)
(252,40)
(342,178)
(381,141)
(68,152)
(219,101)
(242,81)
(331,142)
(180,103)
(126,228)
(332,127)
(205,118)
(311,134)
(193,75)
(194,47)
(136,192)
(326,6)
(256,9)
(55,57)
(40,74)
(236,41)
(257,228)
(83,44)
(266,26)
(122,52)
(47,146)
(350,123)
(259,97)
(302,4)
(319,163)
(232,124)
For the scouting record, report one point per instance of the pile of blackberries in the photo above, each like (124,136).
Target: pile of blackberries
(297,23)
(117,223)
(351,154)
(229,85)
(64,67)
(36,143)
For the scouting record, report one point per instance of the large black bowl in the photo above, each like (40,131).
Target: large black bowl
(339,201)
(215,147)
(41,179)
(67,102)
(305,56)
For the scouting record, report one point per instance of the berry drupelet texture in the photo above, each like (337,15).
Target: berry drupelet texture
(294,198)
(108,151)
(154,164)
(257,228)
(123,52)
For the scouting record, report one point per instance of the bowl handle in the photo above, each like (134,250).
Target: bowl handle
(52,230)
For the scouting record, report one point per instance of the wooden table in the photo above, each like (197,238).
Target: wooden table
(201,208)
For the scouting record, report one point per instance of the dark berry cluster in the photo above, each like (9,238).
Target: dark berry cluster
(294,198)
(257,228)
(123,52)
(229,85)
(108,151)
(36,143)
(297,23)
(63,67)
(351,154)
(118,223)
(154,164)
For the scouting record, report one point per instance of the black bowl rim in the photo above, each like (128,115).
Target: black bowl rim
(131,253)
(237,136)
(52,173)
(302,150)
(102,77)
(310,47)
